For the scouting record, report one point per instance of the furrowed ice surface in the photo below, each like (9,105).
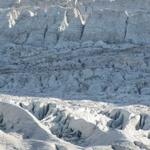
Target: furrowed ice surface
(86,124)
(93,55)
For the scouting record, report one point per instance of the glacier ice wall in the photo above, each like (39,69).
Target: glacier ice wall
(97,49)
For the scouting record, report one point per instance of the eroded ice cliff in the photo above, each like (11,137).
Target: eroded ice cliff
(42,23)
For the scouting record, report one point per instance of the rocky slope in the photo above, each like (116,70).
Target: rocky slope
(76,73)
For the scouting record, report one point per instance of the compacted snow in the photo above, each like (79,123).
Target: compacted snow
(75,75)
